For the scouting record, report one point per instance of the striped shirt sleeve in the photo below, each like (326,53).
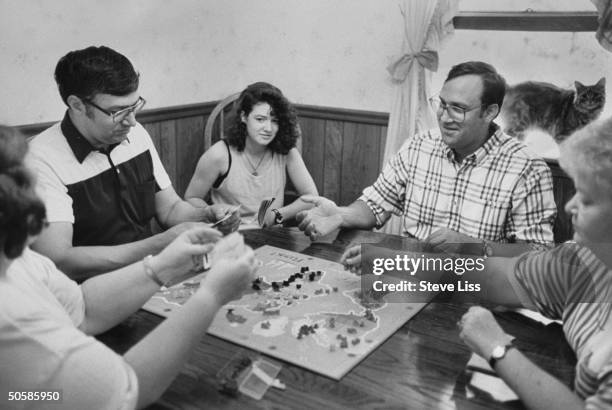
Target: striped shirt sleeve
(602,399)
(545,279)
(387,194)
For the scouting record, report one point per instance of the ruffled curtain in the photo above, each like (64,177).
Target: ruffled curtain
(426,24)
(604,32)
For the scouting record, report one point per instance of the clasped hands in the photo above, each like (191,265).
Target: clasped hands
(320,220)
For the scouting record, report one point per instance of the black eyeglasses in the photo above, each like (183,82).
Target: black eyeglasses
(455,112)
(120,115)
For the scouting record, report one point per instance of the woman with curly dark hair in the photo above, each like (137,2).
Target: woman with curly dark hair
(47,319)
(251,163)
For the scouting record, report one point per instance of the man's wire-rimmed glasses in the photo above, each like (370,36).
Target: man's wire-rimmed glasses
(120,115)
(455,112)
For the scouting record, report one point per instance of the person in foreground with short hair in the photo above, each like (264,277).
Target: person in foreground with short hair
(99,174)
(572,283)
(465,187)
(252,162)
(45,318)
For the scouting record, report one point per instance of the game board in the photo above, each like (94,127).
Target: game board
(301,309)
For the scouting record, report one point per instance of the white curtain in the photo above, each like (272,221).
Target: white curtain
(604,32)
(426,24)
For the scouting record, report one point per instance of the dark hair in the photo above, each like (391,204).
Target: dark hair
(22,213)
(95,70)
(493,84)
(288,131)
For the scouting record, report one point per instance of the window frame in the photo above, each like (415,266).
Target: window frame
(564,21)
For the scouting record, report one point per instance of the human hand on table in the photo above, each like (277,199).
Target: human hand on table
(480,331)
(449,241)
(351,259)
(320,220)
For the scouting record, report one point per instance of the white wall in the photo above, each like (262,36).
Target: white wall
(319,52)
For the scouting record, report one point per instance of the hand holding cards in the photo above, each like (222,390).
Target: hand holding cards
(263,209)
(230,221)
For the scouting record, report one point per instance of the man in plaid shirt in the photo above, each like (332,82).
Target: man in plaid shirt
(465,187)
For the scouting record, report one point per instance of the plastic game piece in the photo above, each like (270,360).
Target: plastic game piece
(369,315)
(298,286)
(272,311)
(335,289)
(304,269)
(351,330)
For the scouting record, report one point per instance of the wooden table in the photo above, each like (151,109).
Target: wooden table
(420,367)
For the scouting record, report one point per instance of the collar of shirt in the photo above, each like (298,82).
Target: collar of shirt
(478,156)
(77,142)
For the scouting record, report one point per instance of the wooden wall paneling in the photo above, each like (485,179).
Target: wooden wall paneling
(313,148)
(154,132)
(168,153)
(332,162)
(381,147)
(189,148)
(361,159)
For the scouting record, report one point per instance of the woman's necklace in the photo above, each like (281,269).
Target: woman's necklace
(254,172)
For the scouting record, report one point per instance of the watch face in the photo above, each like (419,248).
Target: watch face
(278,217)
(498,352)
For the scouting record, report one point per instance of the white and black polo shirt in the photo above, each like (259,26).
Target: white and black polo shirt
(109,197)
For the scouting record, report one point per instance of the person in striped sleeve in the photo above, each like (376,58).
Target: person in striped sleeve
(465,187)
(571,283)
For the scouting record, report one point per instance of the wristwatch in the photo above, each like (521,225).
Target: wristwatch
(499,352)
(486,249)
(278,218)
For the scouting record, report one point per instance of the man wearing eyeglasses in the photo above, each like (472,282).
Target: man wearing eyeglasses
(464,188)
(99,173)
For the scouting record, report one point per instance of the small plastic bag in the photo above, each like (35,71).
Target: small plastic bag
(249,374)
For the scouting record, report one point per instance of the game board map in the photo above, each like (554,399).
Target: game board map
(302,309)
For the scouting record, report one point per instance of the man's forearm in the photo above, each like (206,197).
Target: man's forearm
(83,262)
(357,215)
(183,211)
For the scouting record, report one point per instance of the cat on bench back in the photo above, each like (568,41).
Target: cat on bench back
(556,110)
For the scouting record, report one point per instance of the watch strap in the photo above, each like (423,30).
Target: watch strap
(497,357)
(278,217)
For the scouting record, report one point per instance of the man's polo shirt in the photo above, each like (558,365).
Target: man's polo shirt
(502,192)
(109,197)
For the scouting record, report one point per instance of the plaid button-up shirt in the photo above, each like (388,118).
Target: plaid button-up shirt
(502,192)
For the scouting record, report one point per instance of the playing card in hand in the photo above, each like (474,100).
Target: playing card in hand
(263,209)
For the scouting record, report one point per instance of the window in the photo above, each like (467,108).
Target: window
(527,15)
